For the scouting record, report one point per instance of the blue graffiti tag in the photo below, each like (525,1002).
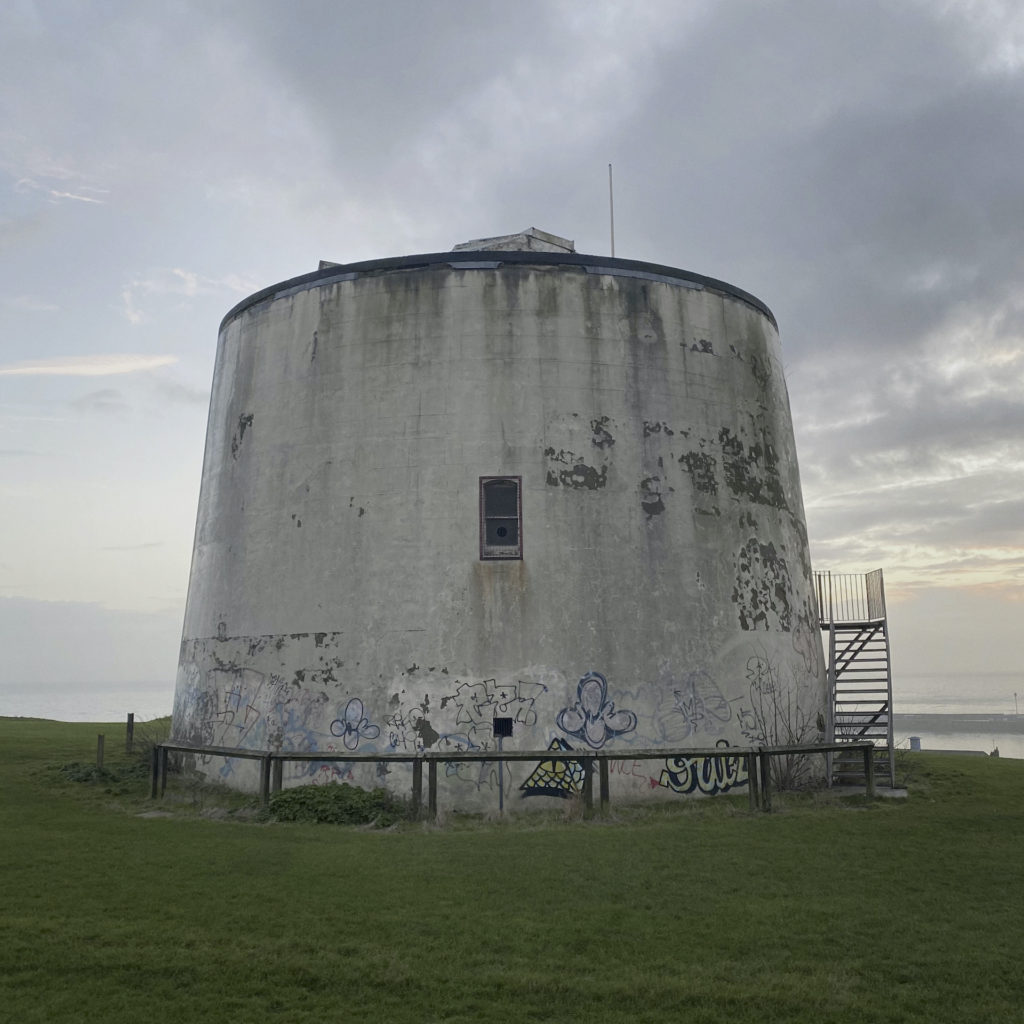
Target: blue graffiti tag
(353,725)
(593,717)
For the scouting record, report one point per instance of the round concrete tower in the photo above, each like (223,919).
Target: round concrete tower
(507,481)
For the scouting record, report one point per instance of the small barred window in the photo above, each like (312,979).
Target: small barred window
(501,517)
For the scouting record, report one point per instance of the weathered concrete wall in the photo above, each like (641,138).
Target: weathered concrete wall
(337,598)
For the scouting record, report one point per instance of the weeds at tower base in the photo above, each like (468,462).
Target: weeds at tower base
(337,804)
(780,721)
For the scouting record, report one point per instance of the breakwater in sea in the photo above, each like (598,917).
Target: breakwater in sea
(986,733)
(975,723)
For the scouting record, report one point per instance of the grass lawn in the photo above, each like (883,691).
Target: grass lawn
(826,910)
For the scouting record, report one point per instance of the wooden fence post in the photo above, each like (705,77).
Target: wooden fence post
(432,789)
(99,751)
(163,770)
(417,787)
(751,761)
(154,771)
(766,781)
(605,789)
(869,770)
(129,735)
(265,780)
(588,783)
(277,776)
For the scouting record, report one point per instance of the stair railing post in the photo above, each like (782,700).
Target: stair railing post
(832,697)
(869,770)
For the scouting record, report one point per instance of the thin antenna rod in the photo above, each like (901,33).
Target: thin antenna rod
(611,207)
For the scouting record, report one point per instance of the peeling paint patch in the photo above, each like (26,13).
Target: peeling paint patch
(761,373)
(751,471)
(650,496)
(427,734)
(701,466)
(244,423)
(576,474)
(602,436)
(658,428)
(763,593)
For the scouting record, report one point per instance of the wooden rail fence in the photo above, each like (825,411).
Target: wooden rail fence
(757,760)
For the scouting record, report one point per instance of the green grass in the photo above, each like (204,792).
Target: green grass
(826,911)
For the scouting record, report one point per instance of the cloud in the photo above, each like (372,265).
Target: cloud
(181,394)
(105,400)
(31,185)
(28,304)
(175,281)
(914,462)
(71,195)
(87,366)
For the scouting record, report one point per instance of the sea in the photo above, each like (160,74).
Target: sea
(954,711)
(980,713)
(88,702)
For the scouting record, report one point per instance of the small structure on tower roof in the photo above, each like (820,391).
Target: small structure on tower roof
(530,240)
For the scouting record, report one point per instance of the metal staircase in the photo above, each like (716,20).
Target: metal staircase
(851,609)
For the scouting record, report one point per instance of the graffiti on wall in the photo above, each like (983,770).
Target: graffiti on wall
(700,705)
(594,718)
(224,701)
(777,713)
(706,775)
(555,778)
(240,707)
(478,704)
(246,692)
(353,725)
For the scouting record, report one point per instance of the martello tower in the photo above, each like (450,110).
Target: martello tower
(511,481)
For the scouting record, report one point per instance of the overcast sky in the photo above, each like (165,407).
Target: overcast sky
(857,165)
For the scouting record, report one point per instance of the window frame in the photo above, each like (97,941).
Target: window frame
(500,552)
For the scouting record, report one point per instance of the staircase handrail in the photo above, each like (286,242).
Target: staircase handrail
(849,597)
